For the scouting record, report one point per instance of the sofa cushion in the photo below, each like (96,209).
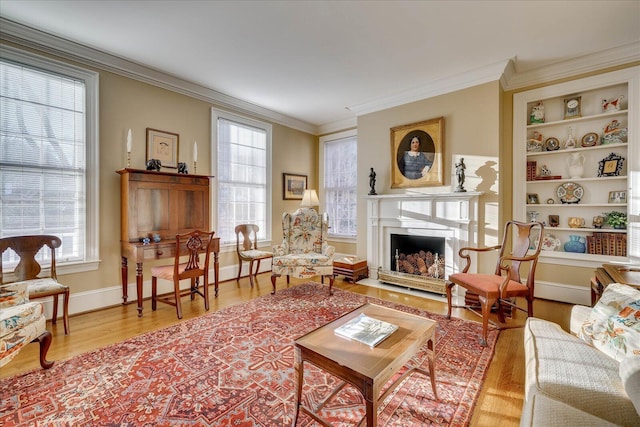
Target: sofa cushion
(630,375)
(565,368)
(541,411)
(613,326)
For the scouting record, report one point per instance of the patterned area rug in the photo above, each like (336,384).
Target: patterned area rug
(234,367)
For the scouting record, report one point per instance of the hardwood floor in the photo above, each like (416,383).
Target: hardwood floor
(500,402)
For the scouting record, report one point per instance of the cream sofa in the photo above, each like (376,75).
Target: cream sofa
(571,382)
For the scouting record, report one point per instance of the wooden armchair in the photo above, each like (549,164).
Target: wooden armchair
(505,284)
(28,270)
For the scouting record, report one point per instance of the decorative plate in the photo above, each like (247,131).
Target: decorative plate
(570,192)
(552,144)
(590,139)
(550,243)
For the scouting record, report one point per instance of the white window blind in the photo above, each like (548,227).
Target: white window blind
(243,163)
(340,185)
(43,159)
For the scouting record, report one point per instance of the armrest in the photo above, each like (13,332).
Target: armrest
(579,313)
(467,256)
(13,294)
(328,250)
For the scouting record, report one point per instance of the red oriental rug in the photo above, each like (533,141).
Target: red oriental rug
(234,367)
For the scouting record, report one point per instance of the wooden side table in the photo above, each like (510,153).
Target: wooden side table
(352,268)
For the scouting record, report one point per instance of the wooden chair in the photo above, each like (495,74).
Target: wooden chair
(189,245)
(28,269)
(505,284)
(247,249)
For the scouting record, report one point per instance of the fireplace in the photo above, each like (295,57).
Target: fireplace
(421,256)
(439,223)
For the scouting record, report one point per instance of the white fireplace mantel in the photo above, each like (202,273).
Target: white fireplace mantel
(453,216)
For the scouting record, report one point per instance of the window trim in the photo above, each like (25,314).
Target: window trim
(91,81)
(268,128)
(322,140)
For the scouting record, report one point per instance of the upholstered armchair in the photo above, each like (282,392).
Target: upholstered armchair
(304,251)
(21,322)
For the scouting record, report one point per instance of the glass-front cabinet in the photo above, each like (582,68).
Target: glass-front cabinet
(576,167)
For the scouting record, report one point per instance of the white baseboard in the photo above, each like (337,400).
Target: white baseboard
(81,302)
(564,293)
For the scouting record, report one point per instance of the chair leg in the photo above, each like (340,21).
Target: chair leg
(195,284)
(45,341)
(54,319)
(331,279)
(154,293)
(251,273)
(448,289)
(176,294)
(486,304)
(206,292)
(65,312)
(274,276)
(240,269)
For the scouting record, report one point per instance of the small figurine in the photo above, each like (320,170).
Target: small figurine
(613,105)
(613,133)
(372,183)
(182,168)
(537,114)
(154,165)
(534,144)
(460,167)
(544,171)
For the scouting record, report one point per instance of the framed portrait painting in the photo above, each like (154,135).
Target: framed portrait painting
(416,154)
(163,146)
(293,186)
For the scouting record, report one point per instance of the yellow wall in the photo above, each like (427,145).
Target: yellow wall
(472,130)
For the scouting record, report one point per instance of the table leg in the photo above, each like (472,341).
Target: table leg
(299,370)
(432,362)
(371,404)
(216,269)
(125,277)
(139,287)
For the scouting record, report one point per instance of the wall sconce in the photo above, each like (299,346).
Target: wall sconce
(309,199)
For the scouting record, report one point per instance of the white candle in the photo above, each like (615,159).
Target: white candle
(195,151)
(129,141)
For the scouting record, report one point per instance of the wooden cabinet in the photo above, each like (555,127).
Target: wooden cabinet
(561,167)
(159,204)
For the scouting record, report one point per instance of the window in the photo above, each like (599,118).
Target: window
(243,150)
(48,154)
(340,182)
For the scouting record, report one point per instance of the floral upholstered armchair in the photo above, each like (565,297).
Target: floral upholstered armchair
(304,251)
(21,322)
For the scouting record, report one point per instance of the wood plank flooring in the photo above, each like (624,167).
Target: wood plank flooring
(500,402)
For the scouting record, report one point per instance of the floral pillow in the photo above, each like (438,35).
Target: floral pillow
(613,326)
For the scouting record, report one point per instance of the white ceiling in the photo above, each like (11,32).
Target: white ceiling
(313,60)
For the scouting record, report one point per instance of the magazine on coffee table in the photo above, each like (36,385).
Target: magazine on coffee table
(366,329)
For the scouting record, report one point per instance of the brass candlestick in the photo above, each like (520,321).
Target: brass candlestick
(128,159)
(194,167)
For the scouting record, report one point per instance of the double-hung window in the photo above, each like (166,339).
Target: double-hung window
(340,182)
(242,155)
(48,155)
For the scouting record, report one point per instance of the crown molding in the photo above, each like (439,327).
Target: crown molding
(613,57)
(337,126)
(478,76)
(48,43)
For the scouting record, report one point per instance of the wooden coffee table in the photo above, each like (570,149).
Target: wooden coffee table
(367,369)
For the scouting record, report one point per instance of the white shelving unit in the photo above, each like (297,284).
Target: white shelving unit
(595,199)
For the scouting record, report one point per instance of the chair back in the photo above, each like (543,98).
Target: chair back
(27,247)
(305,230)
(192,245)
(249,233)
(523,237)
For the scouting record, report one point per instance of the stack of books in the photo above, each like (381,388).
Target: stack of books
(603,243)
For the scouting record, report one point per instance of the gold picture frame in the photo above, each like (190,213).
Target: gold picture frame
(293,186)
(424,168)
(163,146)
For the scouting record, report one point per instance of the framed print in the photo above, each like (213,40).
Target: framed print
(611,165)
(554,220)
(416,154)
(617,196)
(572,107)
(293,186)
(163,146)
(532,199)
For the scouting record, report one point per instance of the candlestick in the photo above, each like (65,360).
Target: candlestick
(194,167)
(195,151)
(129,141)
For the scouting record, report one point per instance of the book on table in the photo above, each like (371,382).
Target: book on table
(366,330)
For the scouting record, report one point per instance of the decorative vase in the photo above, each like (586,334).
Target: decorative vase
(575,165)
(576,244)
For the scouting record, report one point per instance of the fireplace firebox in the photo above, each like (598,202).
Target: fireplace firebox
(418,255)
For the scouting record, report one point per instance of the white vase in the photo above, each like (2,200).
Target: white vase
(575,165)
